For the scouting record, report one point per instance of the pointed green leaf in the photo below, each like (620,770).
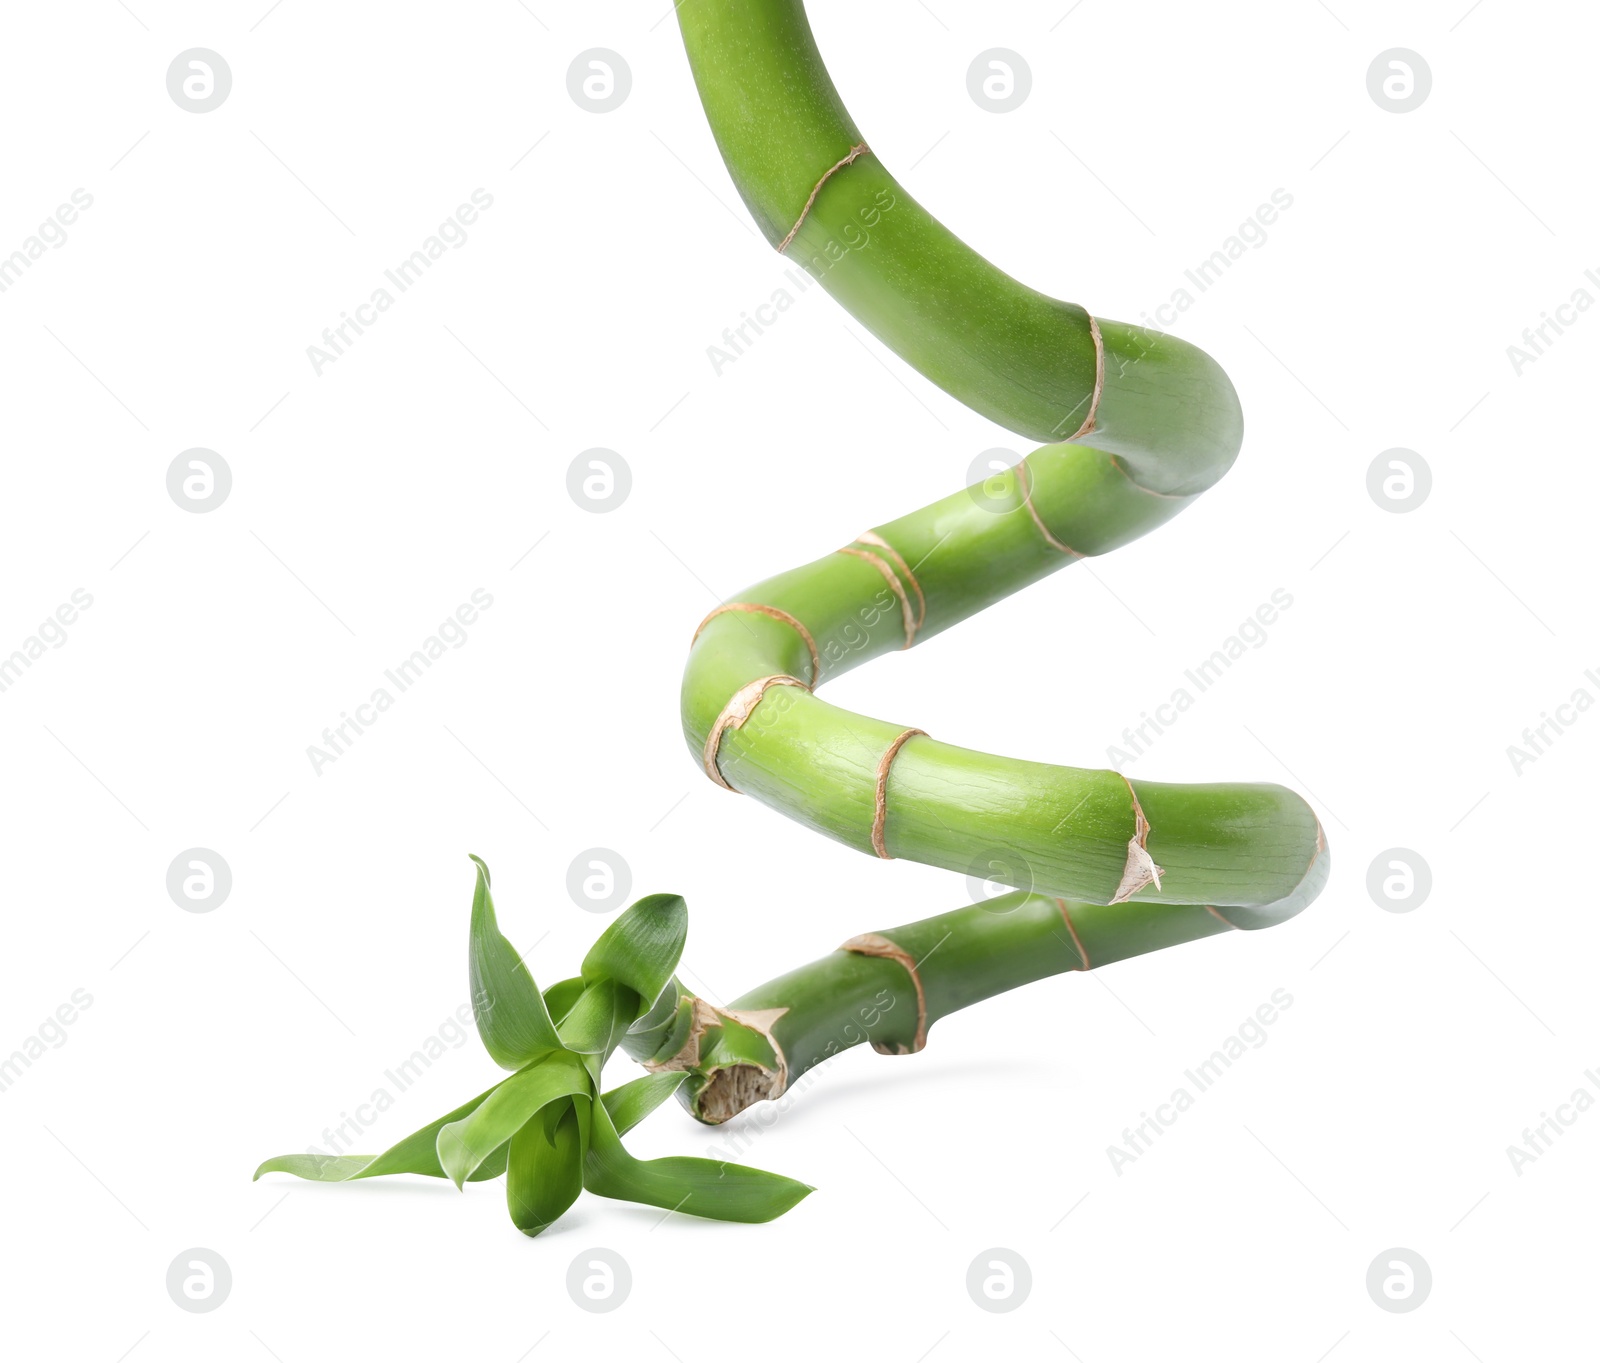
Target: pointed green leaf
(641,947)
(647,1036)
(560,996)
(630,1103)
(675,1035)
(416,1154)
(545,1172)
(511,1015)
(464,1145)
(598,1019)
(700,1187)
(659,1014)
(318,1168)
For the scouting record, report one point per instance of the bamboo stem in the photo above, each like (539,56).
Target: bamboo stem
(1034,364)
(1164,423)
(888,988)
(750,716)
(1140,424)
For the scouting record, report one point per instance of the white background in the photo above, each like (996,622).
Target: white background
(430,460)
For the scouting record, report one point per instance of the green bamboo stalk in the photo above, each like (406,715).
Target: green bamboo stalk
(1256,852)
(888,989)
(1164,423)
(1034,364)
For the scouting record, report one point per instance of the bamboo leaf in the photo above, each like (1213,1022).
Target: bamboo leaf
(464,1145)
(675,1035)
(641,947)
(544,1174)
(511,1014)
(317,1168)
(598,1019)
(630,1103)
(416,1154)
(560,996)
(700,1187)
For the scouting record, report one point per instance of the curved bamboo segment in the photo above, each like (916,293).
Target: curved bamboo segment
(1036,365)
(888,988)
(1255,853)
(1142,422)
(1139,425)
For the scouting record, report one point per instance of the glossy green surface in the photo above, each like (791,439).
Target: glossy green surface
(845,999)
(1139,426)
(1250,847)
(1021,358)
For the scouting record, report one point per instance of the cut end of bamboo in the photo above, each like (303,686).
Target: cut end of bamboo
(730,1089)
(727,1089)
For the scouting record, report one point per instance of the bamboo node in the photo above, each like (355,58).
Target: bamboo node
(880,800)
(876,944)
(1140,868)
(734,714)
(772,612)
(1025,484)
(895,584)
(860,149)
(1099,381)
(874,538)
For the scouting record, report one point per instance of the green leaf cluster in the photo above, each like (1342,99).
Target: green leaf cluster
(548,1127)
